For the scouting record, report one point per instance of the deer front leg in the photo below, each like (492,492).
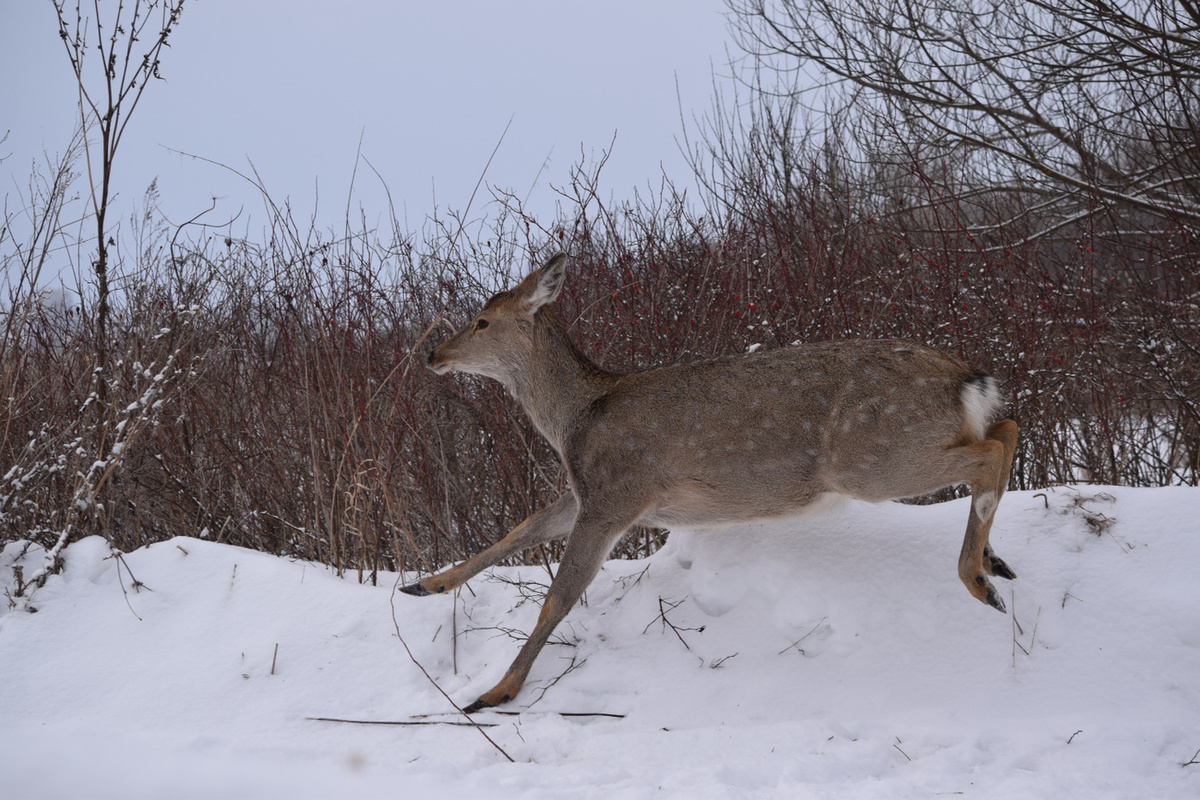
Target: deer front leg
(549,523)
(587,548)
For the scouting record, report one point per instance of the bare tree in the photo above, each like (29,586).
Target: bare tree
(1073,105)
(107,100)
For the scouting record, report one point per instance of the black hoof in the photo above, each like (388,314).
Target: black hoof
(478,705)
(415,589)
(1002,570)
(993,600)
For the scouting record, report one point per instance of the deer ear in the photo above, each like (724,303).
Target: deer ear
(545,284)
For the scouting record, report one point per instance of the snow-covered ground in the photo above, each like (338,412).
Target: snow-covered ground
(835,656)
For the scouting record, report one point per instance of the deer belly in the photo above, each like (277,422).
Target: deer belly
(698,505)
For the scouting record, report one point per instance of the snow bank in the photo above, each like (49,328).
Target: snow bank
(836,656)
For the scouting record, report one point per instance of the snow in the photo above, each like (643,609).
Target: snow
(836,656)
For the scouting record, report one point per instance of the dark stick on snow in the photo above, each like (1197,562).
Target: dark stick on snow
(451,722)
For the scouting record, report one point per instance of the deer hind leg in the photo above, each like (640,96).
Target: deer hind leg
(1005,432)
(991,463)
(549,523)
(587,547)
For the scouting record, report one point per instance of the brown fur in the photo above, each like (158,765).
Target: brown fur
(724,441)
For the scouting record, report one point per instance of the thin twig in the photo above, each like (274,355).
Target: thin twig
(454,723)
(441,691)
(574,665)
(666,623)
(505,713)
(1017,630)
(627,587)
(136,584)
(717,663)
(563,713)
(802,638)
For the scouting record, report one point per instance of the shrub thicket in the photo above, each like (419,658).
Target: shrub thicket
(273,393)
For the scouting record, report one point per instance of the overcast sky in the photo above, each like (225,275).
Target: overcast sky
(292,85)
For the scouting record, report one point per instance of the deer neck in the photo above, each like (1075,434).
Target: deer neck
(557,383)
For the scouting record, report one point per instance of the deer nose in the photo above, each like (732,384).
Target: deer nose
(437,364)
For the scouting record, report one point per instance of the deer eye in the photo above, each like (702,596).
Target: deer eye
(480,324)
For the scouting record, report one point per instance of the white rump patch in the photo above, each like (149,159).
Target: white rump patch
(981,402)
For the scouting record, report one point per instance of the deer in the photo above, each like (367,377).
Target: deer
(711,444)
